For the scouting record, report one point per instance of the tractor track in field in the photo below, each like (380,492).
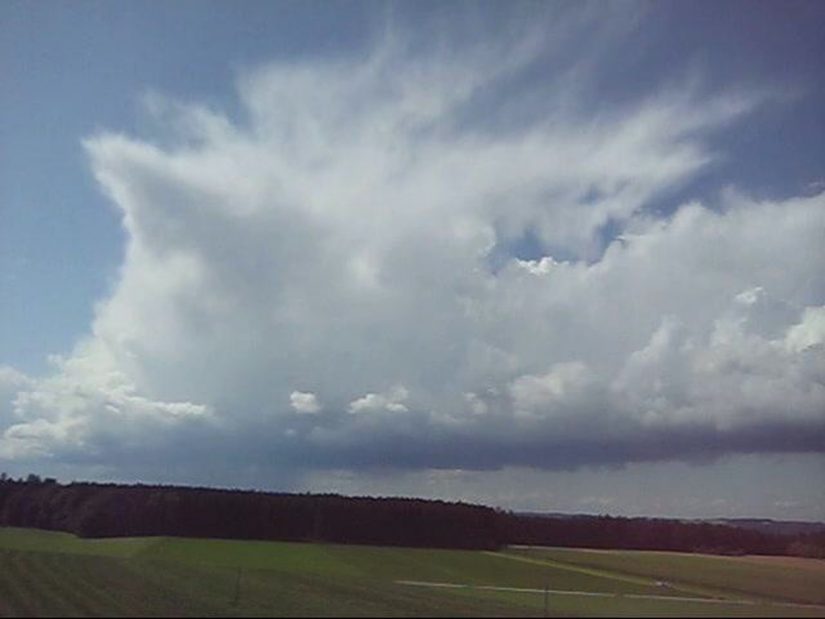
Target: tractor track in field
(599,594)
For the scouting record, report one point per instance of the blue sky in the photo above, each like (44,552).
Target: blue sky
(716,104)
(76,68)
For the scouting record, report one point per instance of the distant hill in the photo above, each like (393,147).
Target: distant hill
(764,525)
(775,527)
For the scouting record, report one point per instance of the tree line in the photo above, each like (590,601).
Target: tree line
(608,532)
(112,510)
(116,510)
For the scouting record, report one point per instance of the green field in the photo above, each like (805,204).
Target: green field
(45,573)
(768,578)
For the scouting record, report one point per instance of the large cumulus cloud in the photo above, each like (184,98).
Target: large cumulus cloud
(337,278)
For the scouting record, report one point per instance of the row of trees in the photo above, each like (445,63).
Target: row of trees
(110,510)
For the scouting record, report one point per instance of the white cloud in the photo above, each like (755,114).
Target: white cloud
(810,331)
(538,267)
(545,391)
(85,408)
(477,404)
(12,382)
(304,402)
(342,235)
(391,401)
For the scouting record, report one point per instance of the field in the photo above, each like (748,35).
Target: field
(46,573)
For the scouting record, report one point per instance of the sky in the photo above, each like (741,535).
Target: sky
(545,256)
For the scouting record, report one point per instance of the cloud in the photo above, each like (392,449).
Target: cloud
(357,227)
(391,401)
(12,382)
(87,410)
(809,333)
(538,393)
(304,402)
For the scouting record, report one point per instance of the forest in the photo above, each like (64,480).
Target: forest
(116,510)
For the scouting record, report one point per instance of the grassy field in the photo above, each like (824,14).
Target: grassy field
(45,573)
(769,578)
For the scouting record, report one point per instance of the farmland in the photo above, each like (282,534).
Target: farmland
(50,573)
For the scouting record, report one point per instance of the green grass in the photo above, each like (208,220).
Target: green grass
(50,574)
(564,606)
(741,576)
(12,538)
(383,564)
(60,584)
